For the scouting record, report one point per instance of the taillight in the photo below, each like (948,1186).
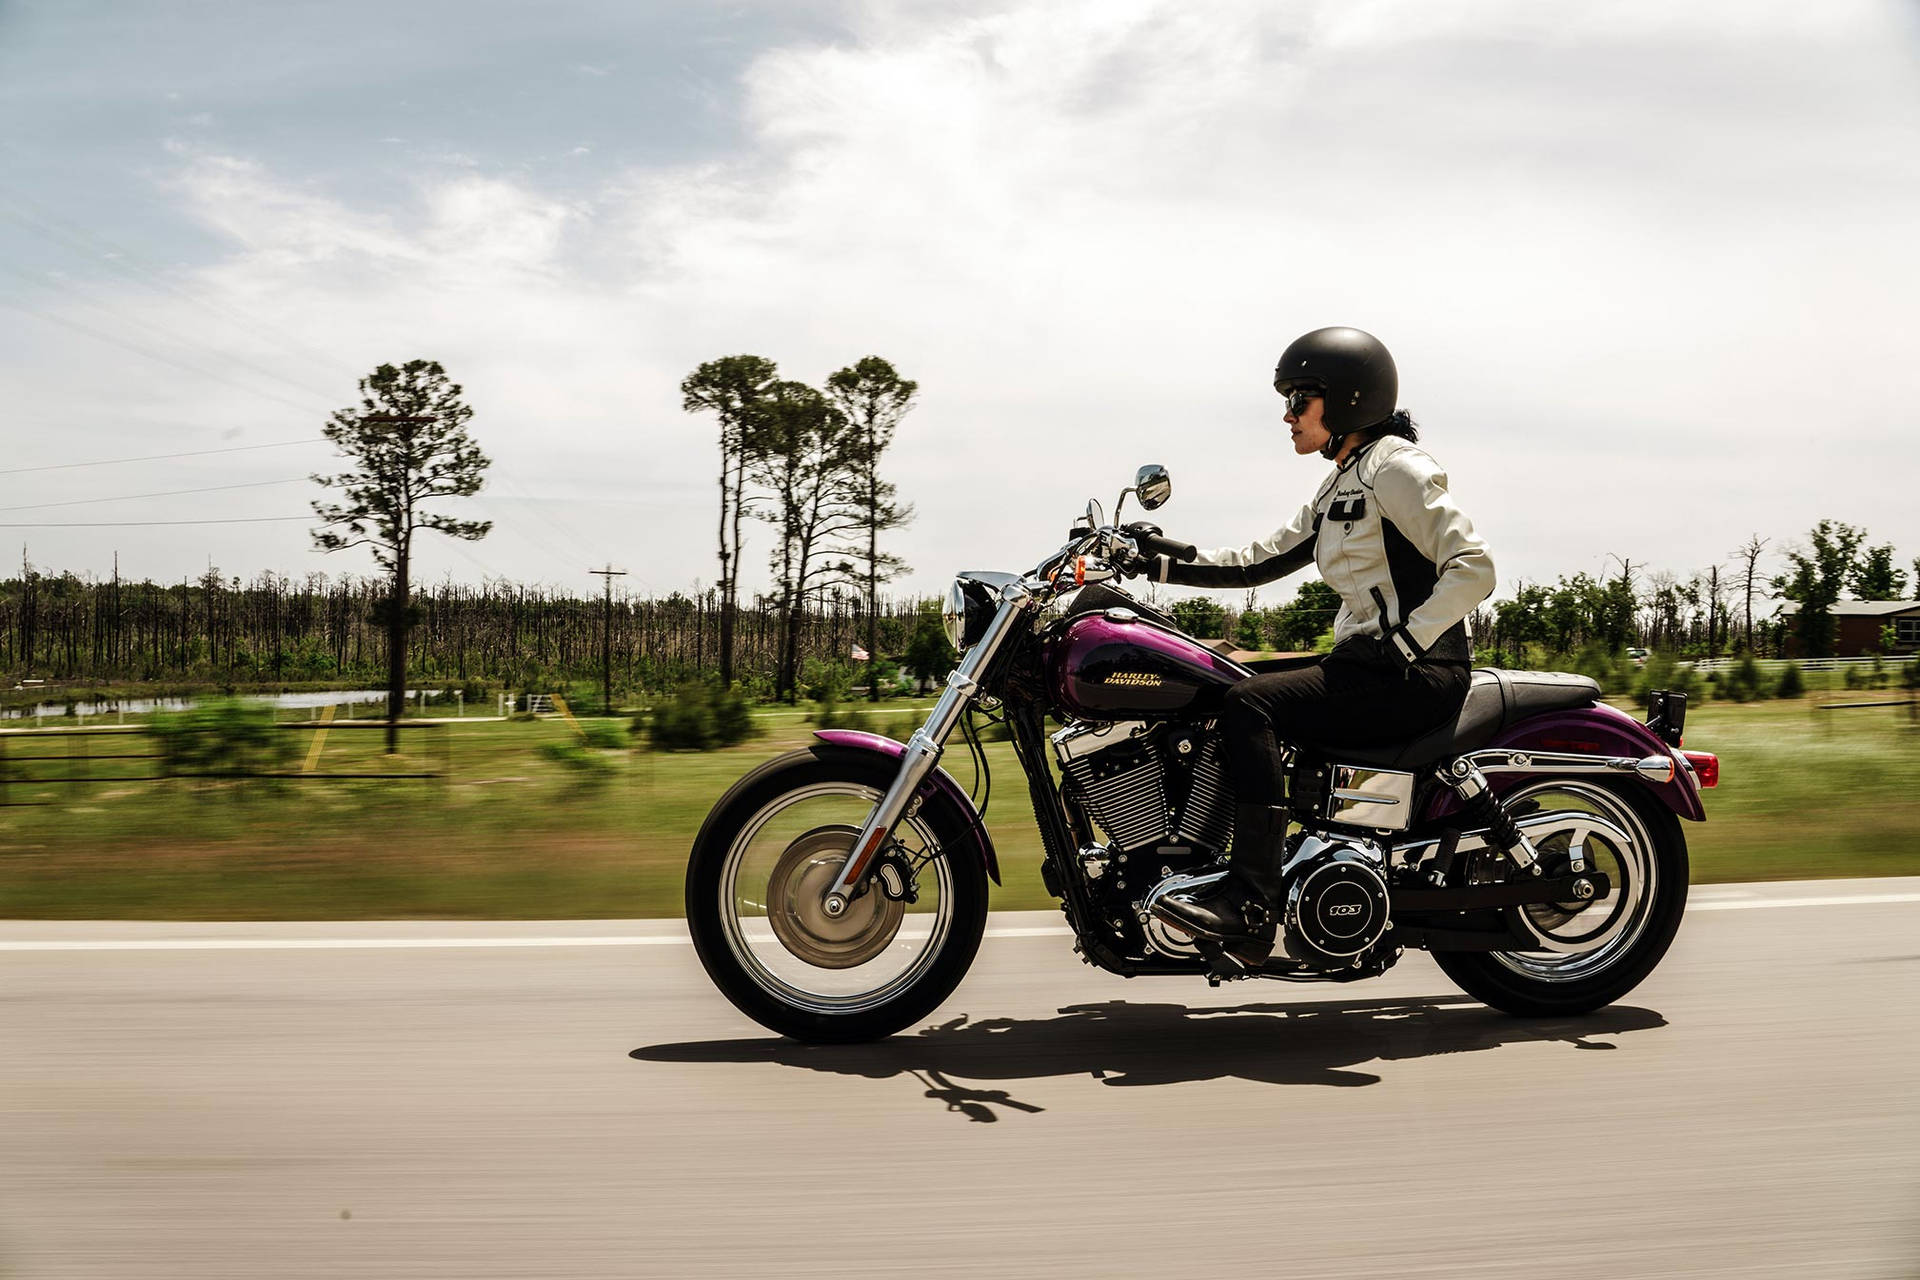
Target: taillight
(1706,767)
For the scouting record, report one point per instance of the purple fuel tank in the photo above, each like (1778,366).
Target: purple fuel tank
(1106,668)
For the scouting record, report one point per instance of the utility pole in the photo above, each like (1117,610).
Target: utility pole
(607,575)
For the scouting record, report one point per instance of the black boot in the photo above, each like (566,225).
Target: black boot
(1239,906)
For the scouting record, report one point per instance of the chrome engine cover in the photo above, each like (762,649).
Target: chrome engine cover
(1334,906)
(1335,902)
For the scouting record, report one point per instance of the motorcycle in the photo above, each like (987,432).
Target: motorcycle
(1532,844)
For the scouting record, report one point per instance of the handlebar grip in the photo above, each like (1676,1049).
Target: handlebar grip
(1155,544)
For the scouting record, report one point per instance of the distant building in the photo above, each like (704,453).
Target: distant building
(1857,625)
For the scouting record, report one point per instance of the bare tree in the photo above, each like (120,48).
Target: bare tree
(408,444)
(730,388)
(1748,576)
(873,397)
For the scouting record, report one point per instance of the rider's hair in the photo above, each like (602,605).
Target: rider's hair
(1400,424)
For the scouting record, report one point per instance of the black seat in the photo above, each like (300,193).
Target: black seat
(1495,700)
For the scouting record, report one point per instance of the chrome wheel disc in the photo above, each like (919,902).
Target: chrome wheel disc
(800,881)
(1581,939)
(778,868)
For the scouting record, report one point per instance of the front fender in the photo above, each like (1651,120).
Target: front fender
(1596,730)
(939,783)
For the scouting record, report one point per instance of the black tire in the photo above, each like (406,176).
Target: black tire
(1485,977)
(811,766)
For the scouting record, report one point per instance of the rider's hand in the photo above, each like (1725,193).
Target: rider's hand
(1130,563)
(1133,562)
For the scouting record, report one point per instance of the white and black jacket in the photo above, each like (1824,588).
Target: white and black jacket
(1385,534)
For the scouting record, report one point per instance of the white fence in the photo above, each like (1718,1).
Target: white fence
(1705,665)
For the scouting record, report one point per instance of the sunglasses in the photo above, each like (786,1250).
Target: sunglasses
(1297,401)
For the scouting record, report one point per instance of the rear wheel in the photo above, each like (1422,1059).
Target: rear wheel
(767,855)
(1597,950)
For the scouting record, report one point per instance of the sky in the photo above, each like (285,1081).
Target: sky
(1649,271)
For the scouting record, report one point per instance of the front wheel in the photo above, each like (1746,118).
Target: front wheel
(1601,949)
(765,857)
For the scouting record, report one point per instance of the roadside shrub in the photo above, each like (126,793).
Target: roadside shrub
(588,766)
(604,735)
(698,717)
(1615,672)
(1874,677)
(1910,674)
(732,716)
(1743,681)
(827,712)
(1792,684)
(826,681)
(221,736)
(1662,672)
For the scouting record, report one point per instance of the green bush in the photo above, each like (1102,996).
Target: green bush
(1910,674)
(1614,672)
(732,716)
(1792,684)
(1742,682)
(589,765)
(826,681)
(698,717)
(604,735)
(1874,677)
(827,712)
(221,736)
(1663,672)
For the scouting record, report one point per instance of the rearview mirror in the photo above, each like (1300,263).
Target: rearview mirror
(1152,485)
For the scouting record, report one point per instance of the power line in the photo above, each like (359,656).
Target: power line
(160,356)
(166,335)
(37,217)
(161,457)
(168,493)
(147,524)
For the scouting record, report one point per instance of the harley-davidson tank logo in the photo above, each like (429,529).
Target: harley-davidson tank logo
(1136,679)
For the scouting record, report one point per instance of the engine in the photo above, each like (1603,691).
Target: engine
(1150,785)
(1160,795)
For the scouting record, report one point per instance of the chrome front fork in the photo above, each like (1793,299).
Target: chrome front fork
(924,750)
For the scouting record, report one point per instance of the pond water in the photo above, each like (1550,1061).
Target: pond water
(376,698)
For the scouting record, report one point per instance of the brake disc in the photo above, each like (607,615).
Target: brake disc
(800,880)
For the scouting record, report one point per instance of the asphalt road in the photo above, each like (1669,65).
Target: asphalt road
(558,1100)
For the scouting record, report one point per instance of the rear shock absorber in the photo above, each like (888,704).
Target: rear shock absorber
(1481,806)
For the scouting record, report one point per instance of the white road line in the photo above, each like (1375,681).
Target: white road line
(673,940)
(1754,904)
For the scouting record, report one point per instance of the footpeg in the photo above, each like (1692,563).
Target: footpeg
(1233,958)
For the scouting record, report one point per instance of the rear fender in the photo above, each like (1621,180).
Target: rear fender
(1596,730)
(939,784)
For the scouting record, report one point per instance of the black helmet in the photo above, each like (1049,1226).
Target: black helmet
(1351,368)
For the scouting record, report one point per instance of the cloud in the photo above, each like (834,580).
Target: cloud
(1644,267)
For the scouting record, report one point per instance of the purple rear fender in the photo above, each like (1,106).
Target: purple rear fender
(1596,730)
(940,784)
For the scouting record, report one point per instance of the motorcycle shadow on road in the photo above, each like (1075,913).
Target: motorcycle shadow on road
(1124,1044)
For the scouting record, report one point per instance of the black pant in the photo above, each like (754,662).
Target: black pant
(1354,697)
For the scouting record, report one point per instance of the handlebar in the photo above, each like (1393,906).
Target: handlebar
(1155,544)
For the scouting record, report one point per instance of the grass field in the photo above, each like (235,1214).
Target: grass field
(513,833)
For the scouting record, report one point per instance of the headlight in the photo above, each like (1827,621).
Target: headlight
(954,613)
(969,609)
